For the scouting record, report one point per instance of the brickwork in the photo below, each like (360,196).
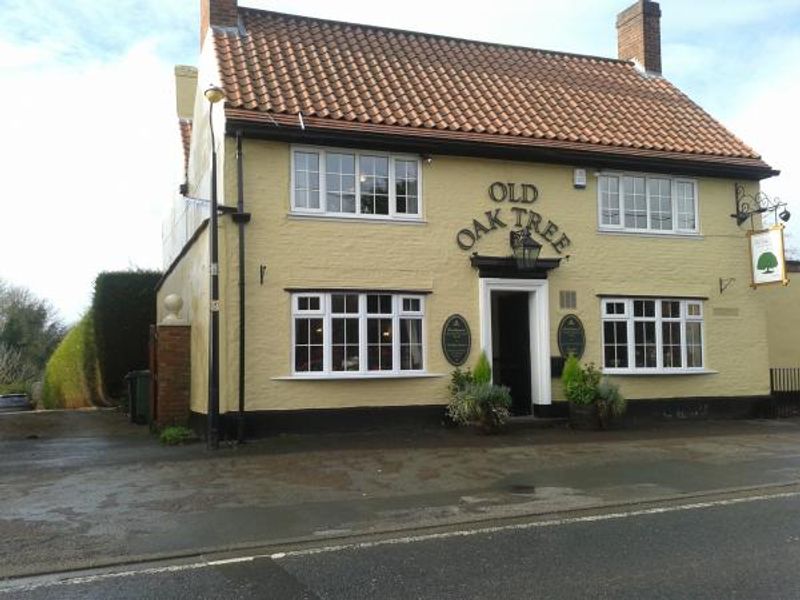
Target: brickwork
(219,13)
(639,34)
(173,375)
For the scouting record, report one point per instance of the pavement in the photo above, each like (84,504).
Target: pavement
(85,489)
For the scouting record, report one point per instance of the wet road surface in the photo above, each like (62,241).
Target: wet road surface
(727,547)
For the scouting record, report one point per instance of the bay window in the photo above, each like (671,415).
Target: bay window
(351,333)
(647,203)
(648,335)
(349,183)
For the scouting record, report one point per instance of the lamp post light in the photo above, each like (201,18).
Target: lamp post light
(525,248)
(213,94)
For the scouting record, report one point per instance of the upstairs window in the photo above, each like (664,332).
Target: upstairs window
(647,203)
(348,183)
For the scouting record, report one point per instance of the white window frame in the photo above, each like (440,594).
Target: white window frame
(620,175)
(363,372)
(323,211)
(629,318)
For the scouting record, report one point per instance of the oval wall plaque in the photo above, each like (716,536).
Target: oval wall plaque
(571,336)
(456,340)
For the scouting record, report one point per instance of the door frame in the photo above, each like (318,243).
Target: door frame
(538,323)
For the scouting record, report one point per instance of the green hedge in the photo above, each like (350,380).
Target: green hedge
(71,377)
(124,307)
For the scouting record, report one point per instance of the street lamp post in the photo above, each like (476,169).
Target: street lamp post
(213,94)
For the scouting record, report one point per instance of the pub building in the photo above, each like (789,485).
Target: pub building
(392,203)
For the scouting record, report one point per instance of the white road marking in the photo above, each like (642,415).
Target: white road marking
(29,586)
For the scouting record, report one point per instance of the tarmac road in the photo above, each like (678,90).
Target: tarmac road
(82,490)
(734,546)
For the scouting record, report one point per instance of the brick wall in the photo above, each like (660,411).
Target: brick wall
(219,13)
(173,376)
(639,34)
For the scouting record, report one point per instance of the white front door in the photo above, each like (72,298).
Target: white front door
(538,322)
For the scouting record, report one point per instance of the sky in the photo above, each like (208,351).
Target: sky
(90,149)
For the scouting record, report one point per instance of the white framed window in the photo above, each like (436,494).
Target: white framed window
(652,335)
(355,184)
(647,203)
(351,334)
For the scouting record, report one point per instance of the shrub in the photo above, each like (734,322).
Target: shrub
(483,370)
(459,380)
(610,401)
(572,371)
(580,383)
(173,436)
(483,404)
(124,307)
(71,377)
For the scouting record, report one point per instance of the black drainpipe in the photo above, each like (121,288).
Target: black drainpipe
(241,218)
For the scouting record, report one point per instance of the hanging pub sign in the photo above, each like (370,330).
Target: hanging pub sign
(456,340)
(571,336)
(767,258)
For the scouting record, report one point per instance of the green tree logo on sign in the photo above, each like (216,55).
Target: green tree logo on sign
(767,262)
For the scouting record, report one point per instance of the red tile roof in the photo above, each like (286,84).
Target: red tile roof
(342,75)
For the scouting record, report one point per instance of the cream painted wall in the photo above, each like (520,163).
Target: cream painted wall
(307,252)
(783,321)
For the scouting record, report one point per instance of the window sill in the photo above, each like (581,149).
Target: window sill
(357,376)
(658,372)
(683,235)
(301,216)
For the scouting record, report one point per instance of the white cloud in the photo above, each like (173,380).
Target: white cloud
(91,158)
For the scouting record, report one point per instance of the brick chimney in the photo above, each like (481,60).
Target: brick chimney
(217,13)
(639,35)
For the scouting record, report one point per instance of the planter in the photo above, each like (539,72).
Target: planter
(584,416)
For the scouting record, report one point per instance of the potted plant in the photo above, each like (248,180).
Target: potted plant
(475,400)
(594,401)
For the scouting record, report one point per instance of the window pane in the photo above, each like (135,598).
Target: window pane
(635,202)
(644,308)
(301,331)
(374,185)
(645,351)
(411,304)
(308,355)
(340,178)
(660,204)
(411,344)
(671,309)
(406,186)
(315,331)
(609,200)
(684,193)
(693,309)
(694,344)
(344,351)
(379,304)
(344,303)
(316,358)
(671,343)
(615,344)
(306,179)
(379,344)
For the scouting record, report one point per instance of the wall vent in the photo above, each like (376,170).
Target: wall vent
(567,299)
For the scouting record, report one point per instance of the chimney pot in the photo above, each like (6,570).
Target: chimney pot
(217,13)
(639,35)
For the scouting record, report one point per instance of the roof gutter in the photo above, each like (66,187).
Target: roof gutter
(547,151)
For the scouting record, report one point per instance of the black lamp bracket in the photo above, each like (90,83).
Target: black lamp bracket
(748,205)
